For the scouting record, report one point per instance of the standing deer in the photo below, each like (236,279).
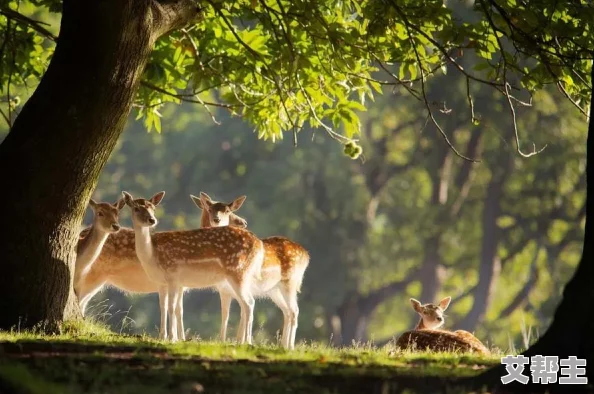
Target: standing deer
(199,258)
(117,265)
(105,222)
(285,263)
(427,334)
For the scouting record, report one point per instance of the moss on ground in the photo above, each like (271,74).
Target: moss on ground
(91,359)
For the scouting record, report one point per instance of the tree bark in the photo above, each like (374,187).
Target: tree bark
(570,333)
(51,159)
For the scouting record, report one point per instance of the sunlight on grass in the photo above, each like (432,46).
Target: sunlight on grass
(362,355)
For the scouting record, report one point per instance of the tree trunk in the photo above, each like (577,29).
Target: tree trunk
(51,159)
(353,318)
(432,271)
(490,263)
(570,333)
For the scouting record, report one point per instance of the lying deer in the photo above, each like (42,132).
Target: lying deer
(427,334)
(200,258)
(117,265)
(285,263)
(105,222)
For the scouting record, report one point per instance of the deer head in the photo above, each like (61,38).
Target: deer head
(432,315)
(219,213)
(106,215)
(143,211)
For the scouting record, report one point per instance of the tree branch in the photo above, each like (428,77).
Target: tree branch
(423,90)
(174,14)
(182,97)
(24,20)
(376,297)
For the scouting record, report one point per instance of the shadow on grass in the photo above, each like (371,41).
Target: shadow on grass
(40,366)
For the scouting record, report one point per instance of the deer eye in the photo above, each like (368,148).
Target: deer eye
(136,209)
(99,213)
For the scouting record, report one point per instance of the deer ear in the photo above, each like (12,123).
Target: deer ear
(443,304)
(237,203)
(238,221)
(119,204)
(128,199)
(206,200)
(157,198)
(92,204)
(197,201)
(416,305)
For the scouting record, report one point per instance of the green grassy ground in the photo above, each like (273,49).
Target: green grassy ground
(91,359)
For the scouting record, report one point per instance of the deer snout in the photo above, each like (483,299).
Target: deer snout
(439,318)
(115,227)
(152,221)
(216,220)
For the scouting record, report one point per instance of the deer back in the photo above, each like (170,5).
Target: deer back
(440,341)
(289,255)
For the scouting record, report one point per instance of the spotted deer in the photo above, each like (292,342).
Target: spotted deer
(198,258)
(105,222)
(117,266)
(285,263)
(427,334)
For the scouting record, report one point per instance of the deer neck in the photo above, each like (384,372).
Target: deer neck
(88,249)
(143,243)
(420,325)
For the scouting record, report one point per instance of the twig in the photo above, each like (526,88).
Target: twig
(328,129)
(507,86)
(197,100)
(470,101)
(515,125)
(566,94)
(426,102)
(233,31)
(35,25)
(439,47)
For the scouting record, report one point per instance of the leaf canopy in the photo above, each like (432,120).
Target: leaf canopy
(284,65)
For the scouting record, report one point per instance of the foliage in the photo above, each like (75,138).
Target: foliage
(283,64)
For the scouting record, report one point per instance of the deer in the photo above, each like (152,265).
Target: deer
(282,274)
(427,334)
(88,249)
(117,266)
(198,258)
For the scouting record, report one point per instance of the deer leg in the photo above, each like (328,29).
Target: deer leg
(163,304)
(179,312)
(86,295)
(226,299)
(173,291)
(277,297)
(246,302)
(290,294)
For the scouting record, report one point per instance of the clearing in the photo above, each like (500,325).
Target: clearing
(91,359)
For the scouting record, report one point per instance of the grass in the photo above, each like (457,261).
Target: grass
(90,358)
